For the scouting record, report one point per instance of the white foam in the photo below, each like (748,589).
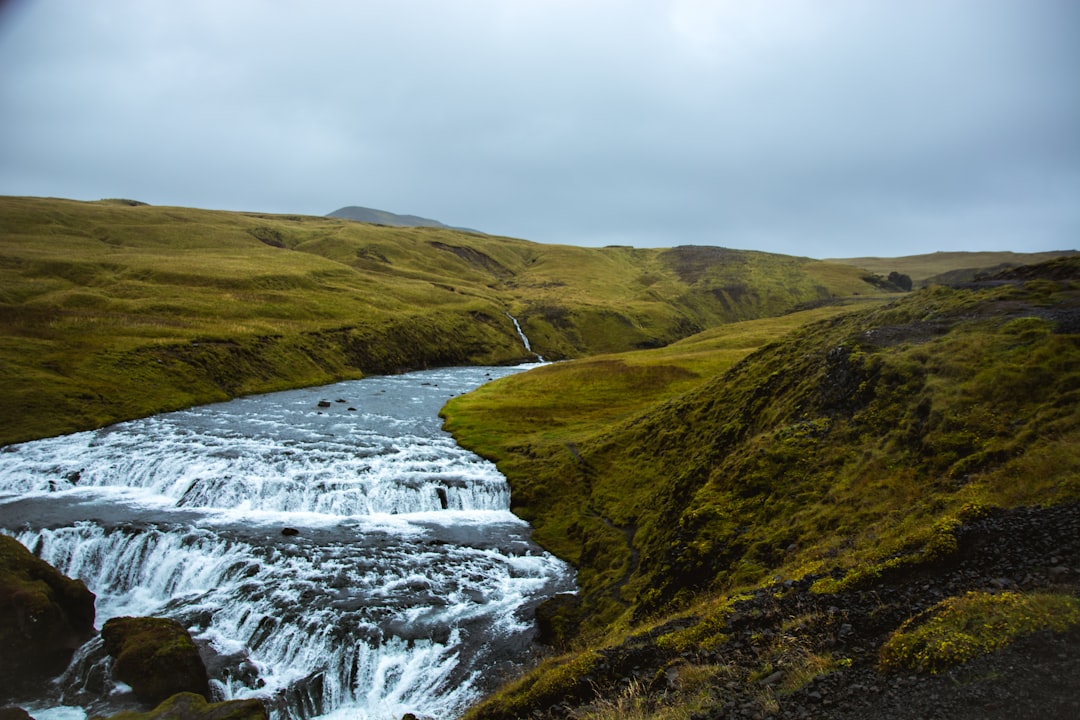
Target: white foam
(406,567)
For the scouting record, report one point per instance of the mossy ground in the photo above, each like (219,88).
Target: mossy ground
(958,629)
(851,448)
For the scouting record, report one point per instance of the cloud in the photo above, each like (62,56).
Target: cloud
(818,128)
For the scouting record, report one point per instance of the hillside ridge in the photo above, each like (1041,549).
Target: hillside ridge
(112,310)
(384,217)
(866,464)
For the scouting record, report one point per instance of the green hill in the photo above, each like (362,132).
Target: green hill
(950,267)
(741,507)
(114,309)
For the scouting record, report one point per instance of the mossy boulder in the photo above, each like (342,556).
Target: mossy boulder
(190,706)
(44,617)
(155,656)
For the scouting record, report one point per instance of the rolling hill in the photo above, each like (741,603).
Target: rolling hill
(112,310)
(383,217)
(759,518)
(788,489)
(950,267)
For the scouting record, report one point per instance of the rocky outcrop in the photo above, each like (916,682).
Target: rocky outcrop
(44,617)
(155,656)
(190,706)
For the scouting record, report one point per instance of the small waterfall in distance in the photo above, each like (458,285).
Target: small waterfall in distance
(524,338)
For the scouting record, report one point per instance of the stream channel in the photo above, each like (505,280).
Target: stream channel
(403,584)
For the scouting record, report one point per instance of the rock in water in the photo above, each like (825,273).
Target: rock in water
(155,656)
(44,617)
(189,706)
(14,713)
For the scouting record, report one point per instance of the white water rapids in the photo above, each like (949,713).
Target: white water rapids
(408,586)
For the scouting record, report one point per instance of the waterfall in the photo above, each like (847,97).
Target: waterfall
(404,584)
(524,338)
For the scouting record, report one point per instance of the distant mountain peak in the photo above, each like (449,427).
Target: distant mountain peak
(382,217)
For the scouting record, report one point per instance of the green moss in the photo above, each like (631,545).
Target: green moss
(190,706)
(562,679)
(849,448)
(155,656)
(44,616)
(961,628)
(708,632)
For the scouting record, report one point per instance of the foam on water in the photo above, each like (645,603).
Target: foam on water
(403,581)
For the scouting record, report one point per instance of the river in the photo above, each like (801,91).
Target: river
(332,550)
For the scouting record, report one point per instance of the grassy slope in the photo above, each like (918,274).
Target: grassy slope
(856,444)
(956,265)
(111,311)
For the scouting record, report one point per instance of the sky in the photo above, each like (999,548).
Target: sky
(819,128)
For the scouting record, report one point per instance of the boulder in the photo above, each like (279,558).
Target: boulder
(14,713)
(558,619)
(155,656)
(189,706)
(44,617)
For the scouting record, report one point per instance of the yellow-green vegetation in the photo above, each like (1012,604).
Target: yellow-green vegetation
(155,656)
(852,447)
(557,679)
(193,706)
(112,310)
(958,629)
(854,440)
(959,266)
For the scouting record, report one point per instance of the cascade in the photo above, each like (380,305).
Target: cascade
(524,338)
(403,585)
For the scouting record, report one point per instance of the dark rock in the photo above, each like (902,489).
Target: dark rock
(289,532)
(155,656)
(44,617)
(558,618)
(14,713)
(189,706)
(774,678)
(324,403)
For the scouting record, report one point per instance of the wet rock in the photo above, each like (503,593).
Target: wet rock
(290,532)
(155,656)
(189,706)
(14,713)
(44,617)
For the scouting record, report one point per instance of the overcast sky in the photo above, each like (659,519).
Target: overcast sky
(825,128)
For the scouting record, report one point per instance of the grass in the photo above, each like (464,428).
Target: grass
(960,266)
(840,448)
(110,310)
(961,628)
(736,417)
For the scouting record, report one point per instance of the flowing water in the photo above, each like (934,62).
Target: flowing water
(332,550)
